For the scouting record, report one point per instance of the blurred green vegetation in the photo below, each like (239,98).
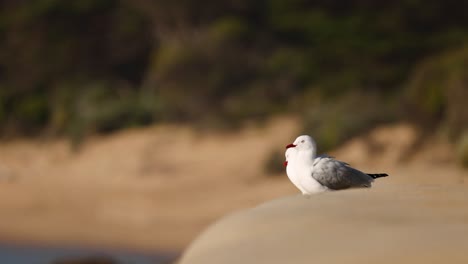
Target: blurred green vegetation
(437,92)
(74,68)
(462,150)
(274,163)
(86,260)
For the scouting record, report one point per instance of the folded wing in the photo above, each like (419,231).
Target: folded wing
(337,175)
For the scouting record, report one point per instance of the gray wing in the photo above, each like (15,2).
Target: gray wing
(337,175)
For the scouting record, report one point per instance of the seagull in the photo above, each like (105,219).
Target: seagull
(313,174)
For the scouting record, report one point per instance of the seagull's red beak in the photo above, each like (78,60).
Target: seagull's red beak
(285,163)
(290,146)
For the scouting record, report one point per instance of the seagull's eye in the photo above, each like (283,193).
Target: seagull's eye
(302,141)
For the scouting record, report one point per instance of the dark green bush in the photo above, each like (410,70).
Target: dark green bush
(274,164)
(462,150)
(438,90)
(333,122)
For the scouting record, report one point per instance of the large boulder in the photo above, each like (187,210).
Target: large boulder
(411,224)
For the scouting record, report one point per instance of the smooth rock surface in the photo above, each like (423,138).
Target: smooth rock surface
(396,224)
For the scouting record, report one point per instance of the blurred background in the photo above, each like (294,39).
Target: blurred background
(135,123)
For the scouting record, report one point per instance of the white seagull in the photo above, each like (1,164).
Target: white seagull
(312,174)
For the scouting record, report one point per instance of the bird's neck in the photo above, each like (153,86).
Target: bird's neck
(307,155)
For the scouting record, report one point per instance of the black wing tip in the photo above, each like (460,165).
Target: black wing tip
(377,175)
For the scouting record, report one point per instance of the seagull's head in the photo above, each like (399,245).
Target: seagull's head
(303,142)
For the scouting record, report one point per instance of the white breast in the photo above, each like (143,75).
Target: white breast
(307,184)
(291,170)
